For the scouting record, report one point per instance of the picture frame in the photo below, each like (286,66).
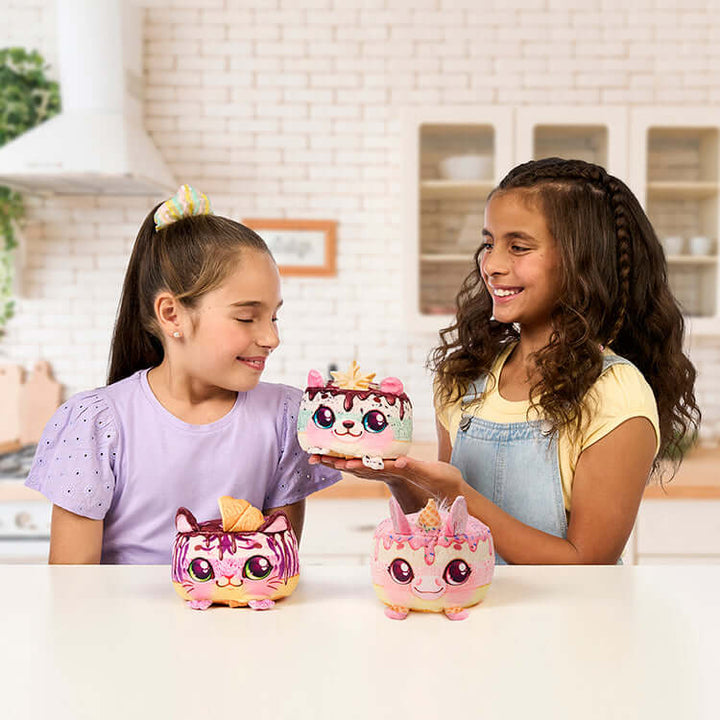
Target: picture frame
(300,247)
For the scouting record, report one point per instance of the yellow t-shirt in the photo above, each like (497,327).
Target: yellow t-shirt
(620,393)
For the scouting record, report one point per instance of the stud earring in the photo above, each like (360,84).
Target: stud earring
(177,334)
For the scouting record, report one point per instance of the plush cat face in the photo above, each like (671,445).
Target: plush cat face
(365,420)
(432,561)
(213,565)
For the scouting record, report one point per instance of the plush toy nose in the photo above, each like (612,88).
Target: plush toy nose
(348,423)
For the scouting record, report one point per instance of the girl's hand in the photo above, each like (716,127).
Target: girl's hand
(430,476)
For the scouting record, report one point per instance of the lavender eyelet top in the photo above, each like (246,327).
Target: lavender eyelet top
(115,453)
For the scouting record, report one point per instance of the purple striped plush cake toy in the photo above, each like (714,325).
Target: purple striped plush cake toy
(242,558)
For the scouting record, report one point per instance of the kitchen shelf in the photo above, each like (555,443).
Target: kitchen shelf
(687,189)
(447,258)
(691,259)
(455,188)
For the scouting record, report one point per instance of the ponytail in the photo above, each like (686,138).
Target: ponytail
(134,347)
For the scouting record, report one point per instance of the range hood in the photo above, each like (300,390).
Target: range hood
(97,144)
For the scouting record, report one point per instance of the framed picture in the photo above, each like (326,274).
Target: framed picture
(300,247)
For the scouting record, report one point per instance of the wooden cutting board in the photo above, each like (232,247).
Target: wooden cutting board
(11,377)
(40,396)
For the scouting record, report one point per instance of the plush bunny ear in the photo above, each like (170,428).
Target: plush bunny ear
(399,521)
(185,521)
(277,522)
(315,379)
(391,385)
(457,518)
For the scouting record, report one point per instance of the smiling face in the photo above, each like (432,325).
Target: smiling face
(228,337)
(520,262)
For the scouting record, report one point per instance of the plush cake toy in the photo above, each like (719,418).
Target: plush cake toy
(432,561)
(242,558)
(350,416)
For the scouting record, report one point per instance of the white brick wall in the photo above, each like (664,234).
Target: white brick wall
(282,108)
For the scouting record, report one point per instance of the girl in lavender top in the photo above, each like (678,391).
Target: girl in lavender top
(184,418)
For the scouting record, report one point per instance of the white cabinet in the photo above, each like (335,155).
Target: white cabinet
(591,133)
(340,531)
(677,531)
(455,156)
(674,161)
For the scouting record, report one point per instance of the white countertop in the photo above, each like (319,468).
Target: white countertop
(548,642)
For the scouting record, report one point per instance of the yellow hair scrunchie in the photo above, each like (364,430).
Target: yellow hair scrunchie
(187,201)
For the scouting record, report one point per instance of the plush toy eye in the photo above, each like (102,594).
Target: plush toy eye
(456,572)
(201,570)
(257,568)
(400,571)
(374,421)
(324,417)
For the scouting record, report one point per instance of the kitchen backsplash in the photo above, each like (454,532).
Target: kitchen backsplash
(292,108)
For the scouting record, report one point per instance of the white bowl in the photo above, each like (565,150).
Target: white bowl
(673,244)
(700,245)
(467,167)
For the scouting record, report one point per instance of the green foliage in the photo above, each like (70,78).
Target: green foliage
(27,98)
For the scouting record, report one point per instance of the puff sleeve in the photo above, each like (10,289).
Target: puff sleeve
(295,478)
(75,459)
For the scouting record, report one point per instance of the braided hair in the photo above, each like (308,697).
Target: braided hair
(614,292)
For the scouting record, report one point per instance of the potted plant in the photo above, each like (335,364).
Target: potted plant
(27,98)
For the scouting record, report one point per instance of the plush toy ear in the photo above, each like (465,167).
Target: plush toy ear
(457,518)
(399,521)
(185,521)
(315,379)
(277,522)
(391,385)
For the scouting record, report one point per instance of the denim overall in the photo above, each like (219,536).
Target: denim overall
(514,465)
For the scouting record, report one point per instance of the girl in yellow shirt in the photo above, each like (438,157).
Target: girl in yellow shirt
(562,383)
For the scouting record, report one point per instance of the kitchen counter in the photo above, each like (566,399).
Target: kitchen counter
(116,642)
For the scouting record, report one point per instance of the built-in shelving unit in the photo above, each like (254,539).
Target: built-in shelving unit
(444,212)
(670,157)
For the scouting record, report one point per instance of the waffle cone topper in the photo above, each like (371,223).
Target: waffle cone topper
(435,560)
(241,558)
(351,416)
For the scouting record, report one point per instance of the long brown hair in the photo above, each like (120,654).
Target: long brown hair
(614,291)
(188,258)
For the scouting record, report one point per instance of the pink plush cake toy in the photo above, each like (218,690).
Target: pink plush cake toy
(242,558)
(432,561)
(350,416)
